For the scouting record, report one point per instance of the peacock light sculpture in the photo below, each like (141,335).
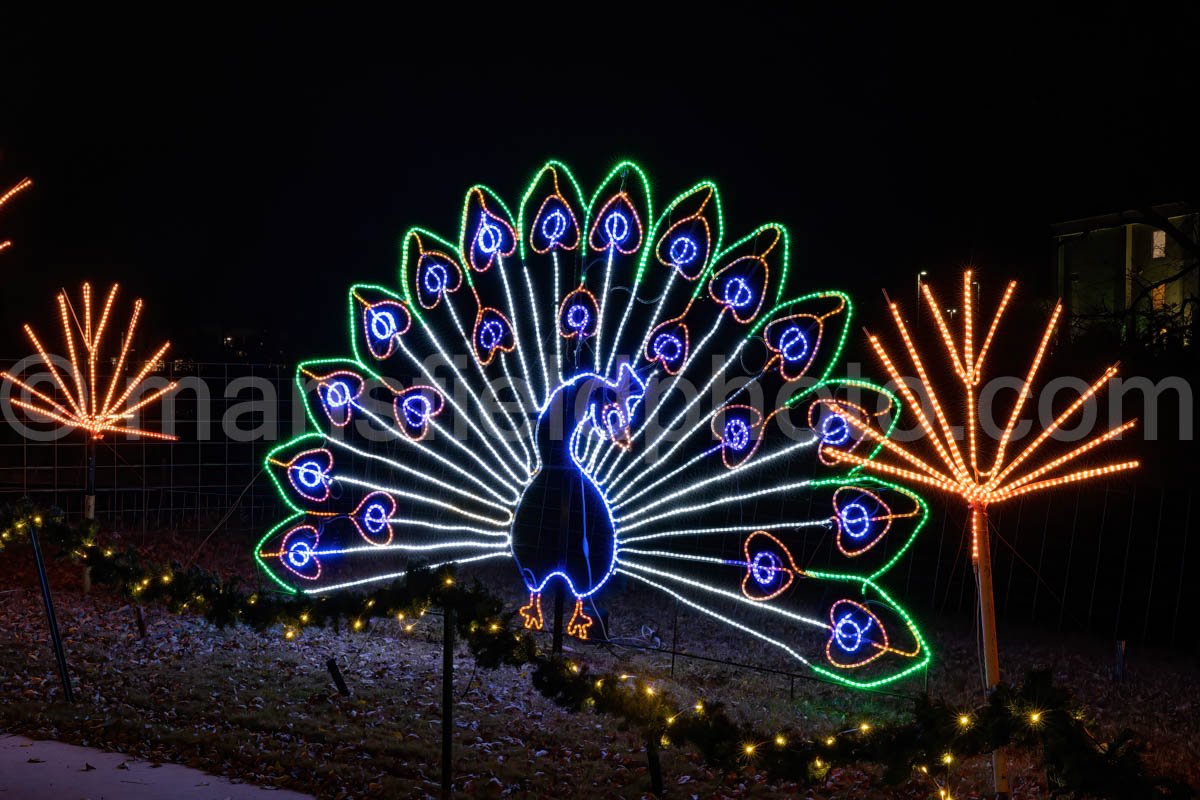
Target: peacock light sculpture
(605,397)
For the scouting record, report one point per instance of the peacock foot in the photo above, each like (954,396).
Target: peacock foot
(580,622)
(532,613)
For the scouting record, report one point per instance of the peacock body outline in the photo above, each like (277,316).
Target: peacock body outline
(594,391)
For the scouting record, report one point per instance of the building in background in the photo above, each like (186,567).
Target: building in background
(1132,277)
(243,343)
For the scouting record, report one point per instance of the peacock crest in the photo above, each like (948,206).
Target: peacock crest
(611,397)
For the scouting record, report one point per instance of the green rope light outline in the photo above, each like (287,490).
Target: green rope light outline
(891,603)
(353,316)
(489,196)
(896,410)
(851,480)
(414,307)
(787,305)
(714,251)
(784,259)
(620,173)
(275,530)
(556,168)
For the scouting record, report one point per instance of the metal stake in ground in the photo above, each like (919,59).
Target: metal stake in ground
(654,765)
(336,674)
(447,699)
(59,656)
(556,643)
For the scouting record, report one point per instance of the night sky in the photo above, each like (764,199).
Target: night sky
(242,172)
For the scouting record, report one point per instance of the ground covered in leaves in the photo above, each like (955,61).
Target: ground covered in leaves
(255,706)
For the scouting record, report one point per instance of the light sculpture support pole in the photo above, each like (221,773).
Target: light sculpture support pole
(89,513)
(987,624)
(89,499)
(564,524)
(556,646)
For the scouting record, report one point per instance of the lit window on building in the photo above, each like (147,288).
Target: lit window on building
(1158,297)
(1159,249)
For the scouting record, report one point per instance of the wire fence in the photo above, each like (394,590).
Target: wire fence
(1116,560)
(1110,559)
(227,416)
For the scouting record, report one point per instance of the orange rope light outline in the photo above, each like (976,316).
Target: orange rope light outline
(882,647)
(964,476)
(85,411)
(4,198)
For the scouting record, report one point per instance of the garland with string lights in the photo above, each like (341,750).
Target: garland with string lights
(1034,714)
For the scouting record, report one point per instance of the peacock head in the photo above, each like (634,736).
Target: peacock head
(611,405)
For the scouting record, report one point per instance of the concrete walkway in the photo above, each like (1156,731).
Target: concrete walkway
(34,770)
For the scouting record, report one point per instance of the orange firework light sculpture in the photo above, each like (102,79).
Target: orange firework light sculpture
(85,407)
(980,482)
(4,198)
